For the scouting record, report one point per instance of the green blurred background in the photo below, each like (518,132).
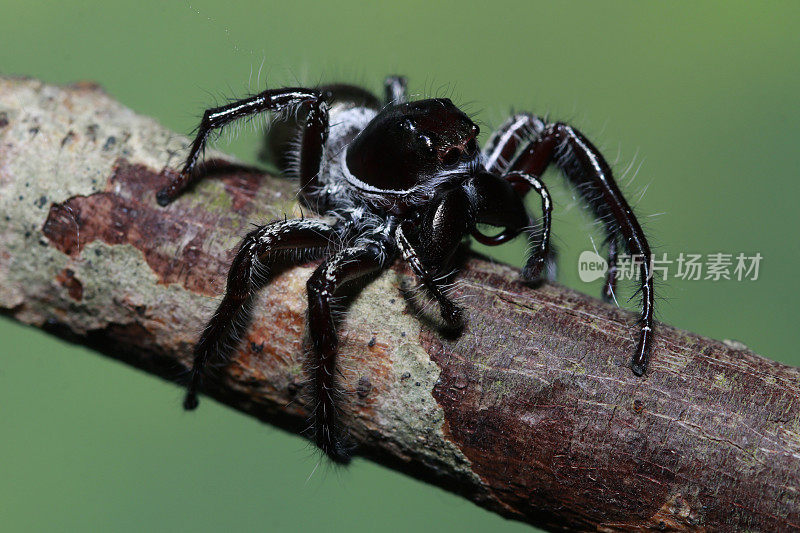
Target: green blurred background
(701,97)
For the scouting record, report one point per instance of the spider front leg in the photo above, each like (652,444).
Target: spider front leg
(348,264)
(587,170)
(220,336)
(315,133)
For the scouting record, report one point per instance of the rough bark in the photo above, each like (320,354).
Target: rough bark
(531,412)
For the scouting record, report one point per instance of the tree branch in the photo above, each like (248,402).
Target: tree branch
(532,412)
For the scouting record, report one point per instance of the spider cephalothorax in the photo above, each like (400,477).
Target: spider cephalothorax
(402,179)
(411,145)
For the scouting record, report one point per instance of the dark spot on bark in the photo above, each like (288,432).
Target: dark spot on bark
(363,387)
(416,384)
(41,201)
(91,132)
(256,348)
(68,138)
(109,144)
(140,309)
(371,342)
(402,333)
(34,131)
(66,278)
(3,119)
(638,406)
(405,376)
(293,388)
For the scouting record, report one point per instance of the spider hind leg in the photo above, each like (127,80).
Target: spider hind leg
(587,170)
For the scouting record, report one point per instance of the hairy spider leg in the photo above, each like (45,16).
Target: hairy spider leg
(281,138)
(395,89)
(499,153)
(587,170)
(316,131)
(610,286)
(504,142)
(347,264)
(249,269)
(522,183)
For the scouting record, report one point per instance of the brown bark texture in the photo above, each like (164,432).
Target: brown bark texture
(531,412)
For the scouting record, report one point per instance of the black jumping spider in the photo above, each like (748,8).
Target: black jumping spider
(403,178)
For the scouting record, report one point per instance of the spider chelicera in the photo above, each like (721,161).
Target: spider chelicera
(402,178)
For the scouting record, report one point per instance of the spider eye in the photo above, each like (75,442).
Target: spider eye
(472,147)
(451,157)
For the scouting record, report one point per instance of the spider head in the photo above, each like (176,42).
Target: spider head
(412,146)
